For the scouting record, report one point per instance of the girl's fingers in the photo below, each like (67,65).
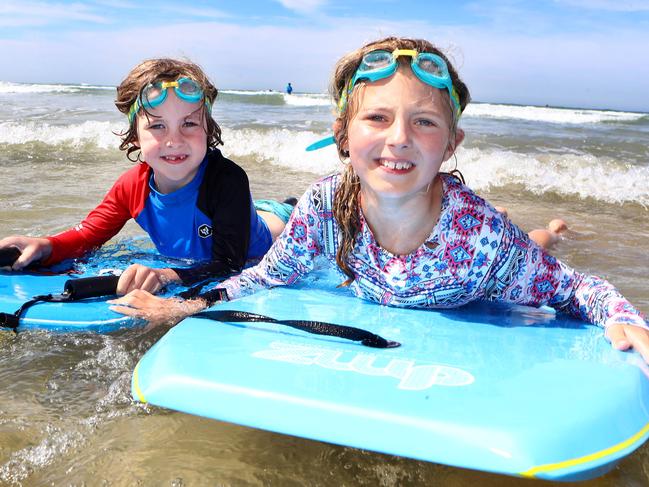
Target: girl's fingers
(616,335)
(127,310)
(623,337)
(639,338)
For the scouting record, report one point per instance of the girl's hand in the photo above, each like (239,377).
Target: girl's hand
(32,249)
(139,276)
(155,310)
(623,337)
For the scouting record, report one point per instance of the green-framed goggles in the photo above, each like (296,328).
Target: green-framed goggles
(154,94)
(428,67)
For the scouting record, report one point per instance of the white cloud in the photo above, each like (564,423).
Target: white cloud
(303,6)
(609,5)
(559,69)
(198,12)
(21,14)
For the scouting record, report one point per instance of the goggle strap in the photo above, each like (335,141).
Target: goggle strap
(321,143)
(133,110)
(135,107)
(342,103)
(404,52)
(169,84)
(455,98)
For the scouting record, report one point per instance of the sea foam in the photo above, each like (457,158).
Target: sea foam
(9,87)
(549,114)
(568,175)
(263,97)
(75,135)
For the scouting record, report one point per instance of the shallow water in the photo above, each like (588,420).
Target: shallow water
(66,416)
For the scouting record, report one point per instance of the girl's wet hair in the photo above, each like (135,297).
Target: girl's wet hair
(163,69)
(346,207)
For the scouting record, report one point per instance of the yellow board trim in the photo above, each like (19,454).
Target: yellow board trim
(534,471)
(136,385)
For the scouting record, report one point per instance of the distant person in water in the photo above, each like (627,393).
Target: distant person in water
(289,88)
(192,201)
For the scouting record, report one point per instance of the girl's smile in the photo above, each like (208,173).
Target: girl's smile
(400,135)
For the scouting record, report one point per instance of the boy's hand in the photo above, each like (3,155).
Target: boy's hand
(142,277)
(32,249)
(623,337)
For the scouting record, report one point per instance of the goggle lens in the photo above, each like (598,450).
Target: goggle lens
(431,65)
(375,60)
(185,88)
(189,87)
(154,94)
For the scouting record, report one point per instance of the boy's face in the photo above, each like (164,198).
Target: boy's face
(173,141)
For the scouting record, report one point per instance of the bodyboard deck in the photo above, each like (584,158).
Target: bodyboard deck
(498,388)
(88,315)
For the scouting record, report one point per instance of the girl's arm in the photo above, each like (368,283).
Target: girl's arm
(289,258)
(523,273)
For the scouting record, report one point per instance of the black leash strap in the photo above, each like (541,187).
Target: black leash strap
(318,327)
(74,290)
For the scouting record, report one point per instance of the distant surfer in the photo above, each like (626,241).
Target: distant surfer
(289,88)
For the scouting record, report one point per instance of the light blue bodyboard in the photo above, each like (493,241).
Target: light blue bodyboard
(88,315)
(498,388)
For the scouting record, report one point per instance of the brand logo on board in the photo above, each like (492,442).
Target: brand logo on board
(411,376)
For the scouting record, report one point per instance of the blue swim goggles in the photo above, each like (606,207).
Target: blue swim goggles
(428,67)
(154,94)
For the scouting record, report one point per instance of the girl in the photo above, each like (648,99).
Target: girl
(401,232)
(193,202)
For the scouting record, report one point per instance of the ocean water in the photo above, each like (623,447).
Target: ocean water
(65,410)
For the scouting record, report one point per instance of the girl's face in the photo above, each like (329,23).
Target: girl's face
(400,135)
(173,141)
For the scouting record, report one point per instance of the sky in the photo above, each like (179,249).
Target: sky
(574,53)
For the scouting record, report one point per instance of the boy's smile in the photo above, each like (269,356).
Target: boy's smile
(173,141)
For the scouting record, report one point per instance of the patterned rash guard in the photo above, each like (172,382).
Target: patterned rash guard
(211,219)
(473,252)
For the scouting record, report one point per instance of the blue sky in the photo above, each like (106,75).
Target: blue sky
(584,53)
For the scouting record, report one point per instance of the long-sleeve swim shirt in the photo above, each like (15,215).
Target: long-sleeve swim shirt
(212,219)
(473,252)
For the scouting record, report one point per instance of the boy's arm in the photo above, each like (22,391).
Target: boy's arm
(124,200)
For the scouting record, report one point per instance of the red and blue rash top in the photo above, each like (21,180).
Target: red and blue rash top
(210,219)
